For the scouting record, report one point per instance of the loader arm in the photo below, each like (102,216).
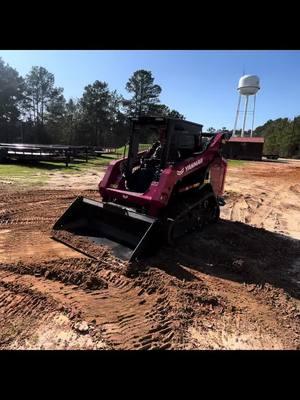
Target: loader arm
(156,198)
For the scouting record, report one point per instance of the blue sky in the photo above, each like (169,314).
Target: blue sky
(200,84)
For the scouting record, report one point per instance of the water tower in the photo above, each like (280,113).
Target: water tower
(248,86)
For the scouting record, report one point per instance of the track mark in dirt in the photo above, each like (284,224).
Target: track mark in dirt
(123,311)
(271,195)
(20,309)
(160,305)
(264,211)
(33,319)
(26,219)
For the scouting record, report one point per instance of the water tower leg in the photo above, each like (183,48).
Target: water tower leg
(245,116)
(237,116)
(253,116)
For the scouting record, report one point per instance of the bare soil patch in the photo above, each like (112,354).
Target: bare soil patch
(236,285)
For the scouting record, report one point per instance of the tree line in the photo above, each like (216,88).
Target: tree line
(34,110)
(282,136)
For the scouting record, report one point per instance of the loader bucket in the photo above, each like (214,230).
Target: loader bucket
(127,233)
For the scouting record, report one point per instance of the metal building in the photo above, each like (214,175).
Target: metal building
(244,148)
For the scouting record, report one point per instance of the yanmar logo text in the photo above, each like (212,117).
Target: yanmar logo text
(189,166)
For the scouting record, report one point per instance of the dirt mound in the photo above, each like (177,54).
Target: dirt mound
(82,244)
(71,271)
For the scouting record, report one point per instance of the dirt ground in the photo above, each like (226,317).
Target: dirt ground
(236,285)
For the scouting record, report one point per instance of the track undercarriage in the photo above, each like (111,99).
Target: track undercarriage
(191,213)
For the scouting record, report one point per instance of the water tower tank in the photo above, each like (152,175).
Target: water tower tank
(248,85)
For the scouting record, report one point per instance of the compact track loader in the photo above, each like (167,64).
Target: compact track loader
(154,196)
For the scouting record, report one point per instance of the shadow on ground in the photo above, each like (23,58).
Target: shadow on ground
(44,165)
(237,252)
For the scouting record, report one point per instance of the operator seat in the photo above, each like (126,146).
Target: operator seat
(141,178)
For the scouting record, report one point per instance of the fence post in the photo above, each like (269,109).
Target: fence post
(67,158)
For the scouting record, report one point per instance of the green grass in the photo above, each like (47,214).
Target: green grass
(38,174)
(13,173)
(120,151)
(42,168)
(79,166)
(142,147)
(236,163)
(14,170)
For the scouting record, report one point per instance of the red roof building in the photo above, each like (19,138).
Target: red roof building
(244,148)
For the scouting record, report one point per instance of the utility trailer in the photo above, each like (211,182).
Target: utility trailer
(41,152)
